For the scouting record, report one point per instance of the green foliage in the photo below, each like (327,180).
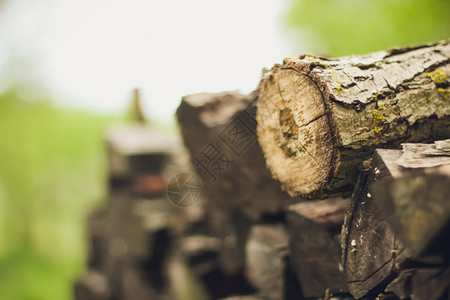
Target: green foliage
(344,27)
(51,172)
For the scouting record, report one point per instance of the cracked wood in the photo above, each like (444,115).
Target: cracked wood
(371,252)
(395,235)
(319,118)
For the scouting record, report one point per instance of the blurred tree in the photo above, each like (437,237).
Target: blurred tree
(344,27)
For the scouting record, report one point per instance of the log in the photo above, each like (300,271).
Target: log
(371,252)
(202,256)
(219,130)
(146,229)
(314,230)
(139,236)
(431,283)
(319,118)
(232,228)
(414,199)
(137,156)
(417,209)
(398,224)
(267,263)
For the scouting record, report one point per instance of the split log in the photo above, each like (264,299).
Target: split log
(414,200)
(219,130)
(267,263)
(314,229)
(371,252)
(319,118)
(399,224)
(418,209)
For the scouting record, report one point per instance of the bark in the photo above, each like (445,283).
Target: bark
(319,118)
(219,130)
(314,230)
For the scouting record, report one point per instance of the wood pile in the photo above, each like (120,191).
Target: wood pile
(330,181)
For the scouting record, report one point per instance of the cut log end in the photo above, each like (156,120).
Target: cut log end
(319,119)
(295,132)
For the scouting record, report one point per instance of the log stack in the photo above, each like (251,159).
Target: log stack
(330,181)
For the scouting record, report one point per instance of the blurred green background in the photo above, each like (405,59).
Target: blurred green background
(51,172)
(52,163)
(345,27)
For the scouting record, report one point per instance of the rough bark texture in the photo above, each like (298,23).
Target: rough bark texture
(314,230)
(220,132)
(319,118)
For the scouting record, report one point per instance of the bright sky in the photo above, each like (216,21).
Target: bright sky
(92,53)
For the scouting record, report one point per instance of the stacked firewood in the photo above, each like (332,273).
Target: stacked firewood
(145,242)
(331,181)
